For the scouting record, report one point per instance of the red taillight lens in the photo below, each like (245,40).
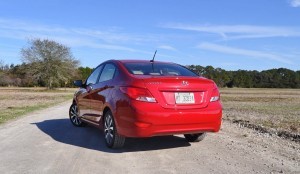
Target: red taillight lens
(140,94)
(215,95)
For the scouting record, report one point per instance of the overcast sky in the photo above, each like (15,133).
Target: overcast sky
(231,34)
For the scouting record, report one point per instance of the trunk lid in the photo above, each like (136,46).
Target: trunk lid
(180,92)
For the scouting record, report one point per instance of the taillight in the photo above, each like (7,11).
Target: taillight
(140,94)
(215,95)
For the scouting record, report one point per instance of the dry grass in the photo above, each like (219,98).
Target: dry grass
(273,109)
(15,102)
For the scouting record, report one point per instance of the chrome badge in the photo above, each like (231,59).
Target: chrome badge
(185,83)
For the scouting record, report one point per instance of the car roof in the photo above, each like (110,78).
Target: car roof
(141,61)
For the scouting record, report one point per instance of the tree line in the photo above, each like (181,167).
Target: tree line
(20,75)
(272,78)
(47,63)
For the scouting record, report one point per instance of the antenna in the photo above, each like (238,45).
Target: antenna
(153,57)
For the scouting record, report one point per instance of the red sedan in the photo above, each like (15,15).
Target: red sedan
(134,98)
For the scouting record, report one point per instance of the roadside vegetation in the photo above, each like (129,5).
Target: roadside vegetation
(273,111)
(15,102)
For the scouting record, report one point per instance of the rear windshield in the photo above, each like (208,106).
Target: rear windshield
(158,69)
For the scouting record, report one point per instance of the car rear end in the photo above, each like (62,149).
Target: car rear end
(167,99)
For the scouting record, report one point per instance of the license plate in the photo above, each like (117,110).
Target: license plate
(184,97)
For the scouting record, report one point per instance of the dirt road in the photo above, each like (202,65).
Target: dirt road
(46,142)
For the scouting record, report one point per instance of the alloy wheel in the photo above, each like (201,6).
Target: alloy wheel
(74,115)
(109,129)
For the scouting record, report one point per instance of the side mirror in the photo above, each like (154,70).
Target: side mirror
(78,83)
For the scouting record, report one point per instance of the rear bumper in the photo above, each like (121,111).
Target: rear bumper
(150,119)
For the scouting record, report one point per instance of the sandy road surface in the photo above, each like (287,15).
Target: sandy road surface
(46,142)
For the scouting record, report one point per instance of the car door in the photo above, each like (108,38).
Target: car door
(101,91)
(85,96)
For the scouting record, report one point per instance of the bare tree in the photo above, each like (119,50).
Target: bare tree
(1,65)
(49,61)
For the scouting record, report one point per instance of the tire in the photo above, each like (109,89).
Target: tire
(195,137)
(112,138)
(74,117)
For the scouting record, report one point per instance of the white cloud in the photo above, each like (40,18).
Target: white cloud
(167,47)
(294,3)
(240,31)
(243,52)
(75,37)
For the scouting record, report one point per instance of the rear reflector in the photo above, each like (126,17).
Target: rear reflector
(142,125)
(140,94)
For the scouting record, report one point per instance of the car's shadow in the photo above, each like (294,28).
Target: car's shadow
(89,137)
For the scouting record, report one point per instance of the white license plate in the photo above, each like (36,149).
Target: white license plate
(184,97)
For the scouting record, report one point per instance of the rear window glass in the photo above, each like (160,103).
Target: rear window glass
(158,69)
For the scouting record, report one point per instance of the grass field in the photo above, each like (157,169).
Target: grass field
(274,110)
(15,102)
